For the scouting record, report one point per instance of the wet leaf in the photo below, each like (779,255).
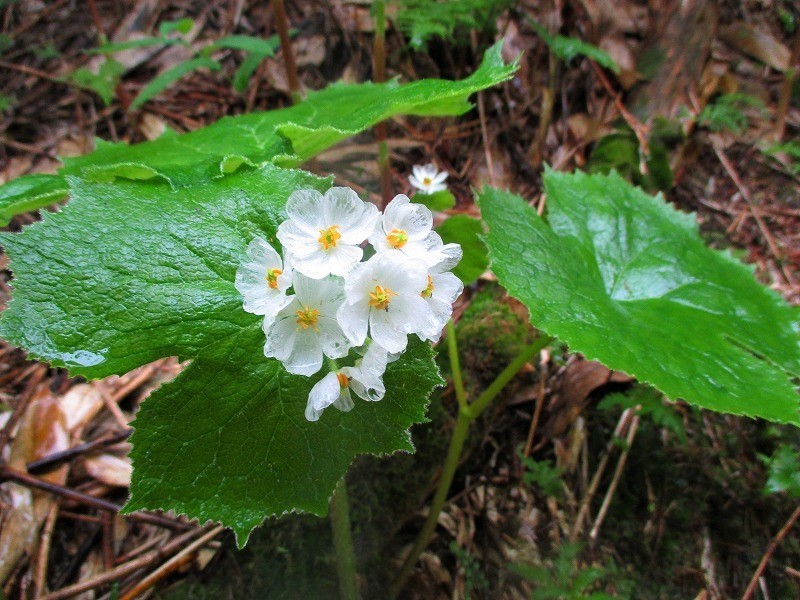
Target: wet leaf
(467,231)
(227,440)
(287,136)
(29,193)
(625,279)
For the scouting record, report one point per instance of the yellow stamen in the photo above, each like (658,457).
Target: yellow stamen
(380,297)
(328,237)
(272,277)
(427,181)
(397,238)
(308,317)
(428,291)
(344,380)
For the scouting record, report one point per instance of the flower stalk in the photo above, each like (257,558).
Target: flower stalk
(467,413)
(343,543)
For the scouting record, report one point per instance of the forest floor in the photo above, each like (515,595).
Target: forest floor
(674,502)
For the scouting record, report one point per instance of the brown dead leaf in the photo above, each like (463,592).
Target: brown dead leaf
(110,469)
(759,45)
(42,431)
(152,126)
(309,50)
(579,380)
(620,50)
(18,526)
(80,405)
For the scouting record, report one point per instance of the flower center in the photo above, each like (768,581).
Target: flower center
(308,317)
(427,181)
(344,380)
(428,291)
(328,237)
(272,277)
(379,298)
(397,238)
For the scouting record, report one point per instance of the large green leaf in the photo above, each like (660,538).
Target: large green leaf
(466,231)
(29,193)
(287,136)
(625,279)
(228,441)
(133,271)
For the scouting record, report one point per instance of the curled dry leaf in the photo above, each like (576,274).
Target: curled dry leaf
(80,405)
(42,431)
(111,470)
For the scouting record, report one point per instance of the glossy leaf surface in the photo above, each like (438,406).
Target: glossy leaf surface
(625,279)
(227,440)
(287,136)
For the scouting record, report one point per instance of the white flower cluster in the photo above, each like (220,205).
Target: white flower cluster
(321,299)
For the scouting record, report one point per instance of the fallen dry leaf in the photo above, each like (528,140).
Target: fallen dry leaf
(110,469)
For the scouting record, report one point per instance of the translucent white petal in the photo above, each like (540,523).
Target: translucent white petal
(393,213)
(264,301)
(355,218)
(344,402)
(299,242)
(436,187)
(415,219)
(445,257)
(440,177)
(281,334)
(306,209)
(360,281)
(429,170)
(315,265)
(446,287)
(342,259)
(416,182)
(379,241)
(311,292)
(332,339)
(331,296)
(324,393)
(365,385)
(442,311)
(383,332)
(354,320)
(398,272)
(285,278)
(410,314)
(305,357)
(374,361)
(260,251)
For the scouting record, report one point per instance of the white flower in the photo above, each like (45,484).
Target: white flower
(407,228)
(442,290)
(263,280)
(383,294)
(428,179)
(306,328)
(365,379)
(323,233)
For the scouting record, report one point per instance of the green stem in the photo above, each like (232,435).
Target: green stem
(379,76)
(455,365)
(477,407)
(466,414)
(448,472)
(345,558)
